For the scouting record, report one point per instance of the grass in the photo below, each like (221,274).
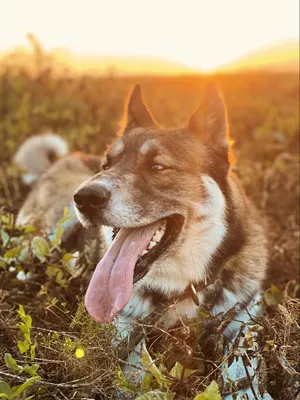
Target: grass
(62,353)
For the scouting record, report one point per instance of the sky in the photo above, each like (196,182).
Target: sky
(202,34)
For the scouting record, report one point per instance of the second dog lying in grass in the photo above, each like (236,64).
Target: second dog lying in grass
(53,175)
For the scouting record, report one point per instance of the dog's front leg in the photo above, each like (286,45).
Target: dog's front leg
(243,367)
(131,365)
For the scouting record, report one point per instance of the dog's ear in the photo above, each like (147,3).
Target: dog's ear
(137,114)
(209,123)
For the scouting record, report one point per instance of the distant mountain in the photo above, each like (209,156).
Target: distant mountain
(282,57)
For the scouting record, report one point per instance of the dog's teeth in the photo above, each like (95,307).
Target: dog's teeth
(158,235)
(144,252)
(163,226)
(151,245)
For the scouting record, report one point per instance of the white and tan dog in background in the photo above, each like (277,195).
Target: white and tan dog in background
(53,175)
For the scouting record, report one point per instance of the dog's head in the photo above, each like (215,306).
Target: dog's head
(154,185)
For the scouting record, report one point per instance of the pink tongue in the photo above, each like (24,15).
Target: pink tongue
(111,285)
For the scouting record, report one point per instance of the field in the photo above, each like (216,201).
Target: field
(56,351)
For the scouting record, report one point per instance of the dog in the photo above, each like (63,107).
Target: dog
(53,174)
(184,229)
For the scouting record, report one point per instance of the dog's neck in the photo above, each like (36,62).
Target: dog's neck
(189,265)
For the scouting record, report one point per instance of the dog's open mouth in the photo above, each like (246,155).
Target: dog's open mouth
(126,261)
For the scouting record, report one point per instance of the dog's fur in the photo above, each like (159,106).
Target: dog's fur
(53,175)
(221,227)
(152,173)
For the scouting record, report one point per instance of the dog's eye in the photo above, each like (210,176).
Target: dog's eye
(158,167)
(105,166)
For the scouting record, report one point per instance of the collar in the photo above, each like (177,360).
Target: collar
(138,333)
(192,291)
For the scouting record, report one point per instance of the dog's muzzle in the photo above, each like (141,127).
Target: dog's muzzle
(90,200)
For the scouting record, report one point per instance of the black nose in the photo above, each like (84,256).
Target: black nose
(90,199)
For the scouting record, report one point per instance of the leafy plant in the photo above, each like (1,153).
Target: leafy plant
(26,345)
(273,296)
(14,392)
(212,392)
(56,239)
(149,365)
(12,365)
(156,395)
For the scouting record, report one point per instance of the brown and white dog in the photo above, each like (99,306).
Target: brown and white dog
(181,220)
(180,215)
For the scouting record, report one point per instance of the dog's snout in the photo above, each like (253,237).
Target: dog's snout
(89,199)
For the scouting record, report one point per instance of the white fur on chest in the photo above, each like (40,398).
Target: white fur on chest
(202,238)
(189,264)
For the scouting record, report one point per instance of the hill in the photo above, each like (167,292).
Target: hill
(282,57)
(121,65)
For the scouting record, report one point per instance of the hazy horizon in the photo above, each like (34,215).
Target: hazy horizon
(283,56)
(198,35)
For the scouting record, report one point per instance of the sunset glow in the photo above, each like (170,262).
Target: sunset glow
(198,34)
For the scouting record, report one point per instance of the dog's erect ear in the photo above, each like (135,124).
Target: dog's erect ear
(137,114)
(209,126)
(209,123)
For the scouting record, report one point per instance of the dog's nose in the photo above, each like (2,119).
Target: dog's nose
(90,199)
